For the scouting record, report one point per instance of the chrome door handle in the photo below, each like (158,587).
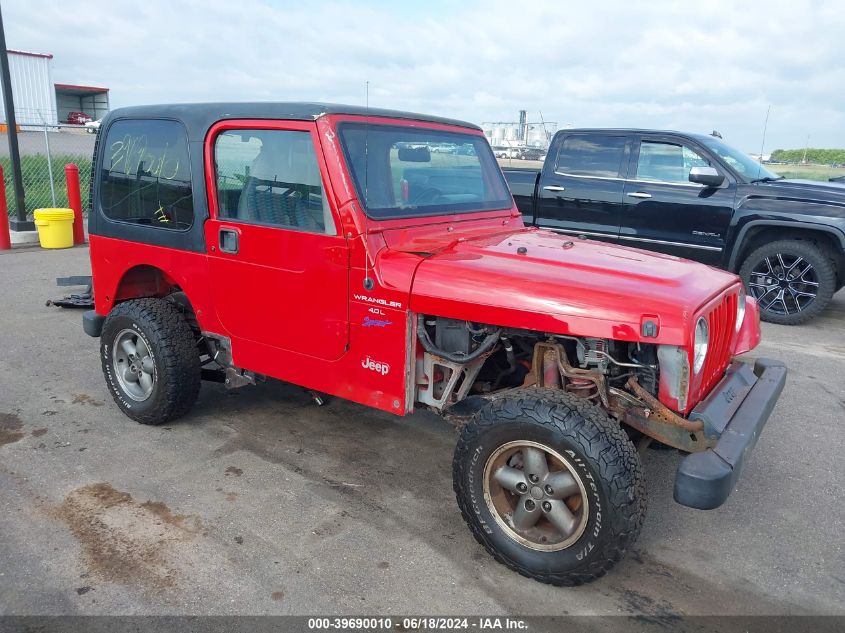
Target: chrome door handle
(554,188)
(639,194)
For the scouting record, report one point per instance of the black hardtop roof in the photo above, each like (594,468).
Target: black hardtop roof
(198,117)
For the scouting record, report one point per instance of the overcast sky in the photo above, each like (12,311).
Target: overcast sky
(695,66)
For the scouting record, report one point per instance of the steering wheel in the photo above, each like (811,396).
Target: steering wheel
(429,194)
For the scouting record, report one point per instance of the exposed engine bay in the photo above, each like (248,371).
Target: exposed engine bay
(465,364)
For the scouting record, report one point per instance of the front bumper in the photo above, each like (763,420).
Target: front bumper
(735,412)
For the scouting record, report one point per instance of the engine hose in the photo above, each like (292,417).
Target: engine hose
(485,346)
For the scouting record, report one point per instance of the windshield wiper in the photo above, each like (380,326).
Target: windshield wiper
(767,179)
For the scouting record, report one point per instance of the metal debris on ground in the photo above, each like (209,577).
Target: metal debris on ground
(79,300)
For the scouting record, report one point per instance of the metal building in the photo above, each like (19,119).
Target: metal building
(88,99)
(39,101)
(32,88)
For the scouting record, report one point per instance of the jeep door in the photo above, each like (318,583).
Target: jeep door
(666,212)
(580,189)
(278,265)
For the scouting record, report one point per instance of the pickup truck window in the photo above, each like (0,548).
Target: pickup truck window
(742,163)
(146,175)
(402,172)
(591,155)
(667,162)
(271,177)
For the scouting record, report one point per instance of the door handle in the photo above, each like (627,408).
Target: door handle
(639,194)
(554,188)
(229,242)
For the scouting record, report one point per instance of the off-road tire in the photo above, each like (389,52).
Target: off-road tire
(176,359)
(815,255)
(604,456)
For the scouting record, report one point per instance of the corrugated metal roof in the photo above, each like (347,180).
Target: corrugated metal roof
(30,54)
(77,88)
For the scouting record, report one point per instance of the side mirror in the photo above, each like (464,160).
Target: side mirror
(707,176)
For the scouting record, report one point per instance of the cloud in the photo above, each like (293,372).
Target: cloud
(698,67)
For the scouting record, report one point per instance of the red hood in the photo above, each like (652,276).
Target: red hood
(559,284)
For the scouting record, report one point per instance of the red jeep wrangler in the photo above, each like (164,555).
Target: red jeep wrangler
(330,247)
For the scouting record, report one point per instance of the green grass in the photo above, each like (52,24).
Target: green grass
(807,172)
(36,181)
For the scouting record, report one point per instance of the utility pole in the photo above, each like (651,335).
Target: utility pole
(806,147)
(20,222)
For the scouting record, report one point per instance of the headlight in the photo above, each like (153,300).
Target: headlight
(740,309)
(702,338)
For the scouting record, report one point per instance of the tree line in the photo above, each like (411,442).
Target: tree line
(814,155)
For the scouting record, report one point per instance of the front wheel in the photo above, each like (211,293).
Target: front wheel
(150,360)
(550,486)
(792,280)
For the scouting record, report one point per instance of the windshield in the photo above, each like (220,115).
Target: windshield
(741,162)
(403,172)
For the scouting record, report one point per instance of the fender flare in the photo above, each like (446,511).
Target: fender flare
(807,226)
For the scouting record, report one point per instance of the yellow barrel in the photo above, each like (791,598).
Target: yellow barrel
(55,227)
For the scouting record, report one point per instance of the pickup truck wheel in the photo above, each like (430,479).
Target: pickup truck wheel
(150,360)
(549,485)
(793,281)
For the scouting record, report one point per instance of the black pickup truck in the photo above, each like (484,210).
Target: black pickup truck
(694,196)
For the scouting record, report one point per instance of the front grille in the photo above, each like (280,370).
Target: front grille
(721,321)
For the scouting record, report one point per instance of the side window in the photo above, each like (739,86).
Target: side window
(146,174)
(667,162)
(591,155)
(271,177)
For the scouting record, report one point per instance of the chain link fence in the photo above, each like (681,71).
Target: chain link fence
(45,150)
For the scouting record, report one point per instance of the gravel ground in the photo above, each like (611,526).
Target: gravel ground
(260,502)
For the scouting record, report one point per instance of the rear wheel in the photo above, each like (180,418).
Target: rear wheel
(792,280)
(550,486)
(150,360)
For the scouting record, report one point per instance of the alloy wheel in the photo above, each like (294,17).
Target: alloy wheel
(784,284)
(134,365)
(535,495)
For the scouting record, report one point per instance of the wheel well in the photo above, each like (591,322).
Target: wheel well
(144,281)
(148,281)
(180,299)
(759,235)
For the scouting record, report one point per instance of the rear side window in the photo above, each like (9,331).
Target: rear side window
(146,174)
(591,155)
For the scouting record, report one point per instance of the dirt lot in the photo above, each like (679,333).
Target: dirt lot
(261,502)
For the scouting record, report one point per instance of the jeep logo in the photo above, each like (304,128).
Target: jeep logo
(379,368)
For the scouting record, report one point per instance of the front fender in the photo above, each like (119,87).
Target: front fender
(760,213)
